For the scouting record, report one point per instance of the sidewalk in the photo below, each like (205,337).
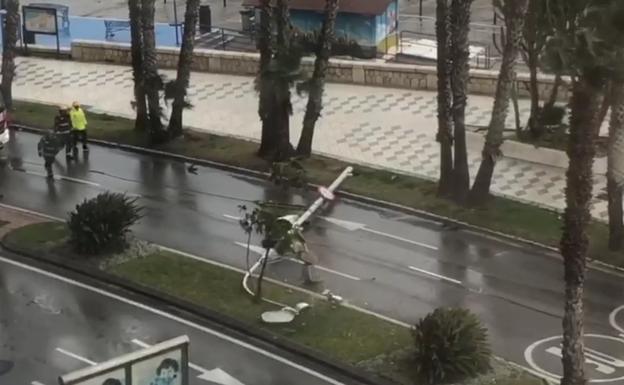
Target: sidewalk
(387,128)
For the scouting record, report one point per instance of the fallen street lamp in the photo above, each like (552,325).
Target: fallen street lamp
(287,314)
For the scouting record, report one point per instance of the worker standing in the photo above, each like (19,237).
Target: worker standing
(63,129)
(48,147)
(79,125)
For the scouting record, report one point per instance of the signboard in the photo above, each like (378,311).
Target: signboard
(40,20)
(162,364)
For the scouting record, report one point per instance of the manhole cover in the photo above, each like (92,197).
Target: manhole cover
(5,367)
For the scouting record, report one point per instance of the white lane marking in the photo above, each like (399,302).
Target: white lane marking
(232,217)
(37,383)
(56,177)
(31,212)
(397,238)
(434,275)
(613,320)
(177,319)
(354,226)
(260,250)
(74,355)
(79,181)
(344,275)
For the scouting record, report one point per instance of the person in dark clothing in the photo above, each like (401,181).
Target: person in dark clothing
(63,129)
(48,147)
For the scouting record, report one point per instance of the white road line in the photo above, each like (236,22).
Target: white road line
(434,275)
(179,320)
(37,383)
(232,217)
(31,212)
(76,356)
(345,275)
(397,238)
(79,181)
(57,177)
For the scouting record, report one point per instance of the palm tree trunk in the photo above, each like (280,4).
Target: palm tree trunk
(615,163)
(153,82)
(136,35)
(514,11)
(184,67)
(281,149)
(585,103)
(460,28)
(445,117)
(317,83)
(8,51)
(554,93)
(530,52)
(265,46)
(534,120)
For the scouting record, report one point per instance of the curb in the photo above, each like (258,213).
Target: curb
(351,196)
(182,308)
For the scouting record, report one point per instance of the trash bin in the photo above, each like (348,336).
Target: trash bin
(247,19)
(205,19)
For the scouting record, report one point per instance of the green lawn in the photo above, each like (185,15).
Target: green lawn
(337,332)
(500,214)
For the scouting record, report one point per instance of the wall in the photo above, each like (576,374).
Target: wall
(342,71)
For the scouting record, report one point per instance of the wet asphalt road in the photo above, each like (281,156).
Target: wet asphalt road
(51,326)
(398,265)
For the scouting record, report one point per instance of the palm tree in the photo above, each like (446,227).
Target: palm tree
(275,84)
(184,67)
(265,46)
(153,81)
(316,85)
(136,35)
(615,171)
(8,51)
(580,48)
(585,103)
(460,55)
(445,117)
(514,12)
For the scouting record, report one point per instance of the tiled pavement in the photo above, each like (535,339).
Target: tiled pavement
(388,128)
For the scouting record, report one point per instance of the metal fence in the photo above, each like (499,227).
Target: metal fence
(227,40)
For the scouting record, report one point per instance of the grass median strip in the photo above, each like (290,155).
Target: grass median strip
(336,332)
(503,215)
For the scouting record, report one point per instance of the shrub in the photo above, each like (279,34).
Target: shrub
(451,345)
(101,224)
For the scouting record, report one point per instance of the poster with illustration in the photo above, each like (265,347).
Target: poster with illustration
(164,369)
(40,20)
(116,377)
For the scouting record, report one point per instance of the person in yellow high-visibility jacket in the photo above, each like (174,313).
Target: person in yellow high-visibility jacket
(79,125)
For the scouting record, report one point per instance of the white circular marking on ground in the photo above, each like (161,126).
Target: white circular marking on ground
(613,321)
(531,349)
